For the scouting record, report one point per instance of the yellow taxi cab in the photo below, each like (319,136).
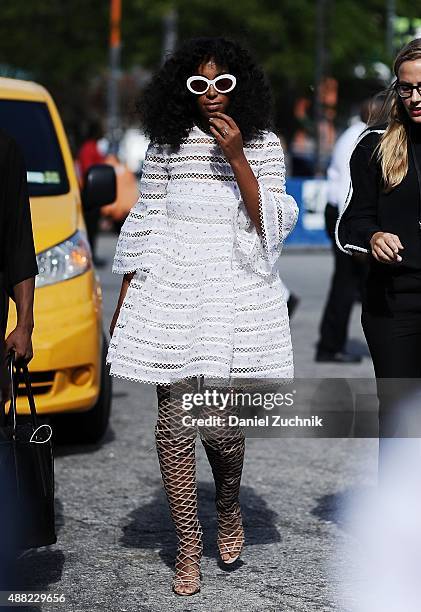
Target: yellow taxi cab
(68,371)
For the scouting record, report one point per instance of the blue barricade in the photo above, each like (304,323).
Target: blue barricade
(311,197)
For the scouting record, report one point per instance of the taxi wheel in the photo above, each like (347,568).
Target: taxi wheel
(89,427)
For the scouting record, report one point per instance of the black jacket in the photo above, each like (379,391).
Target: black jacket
(17,253)
(369,209)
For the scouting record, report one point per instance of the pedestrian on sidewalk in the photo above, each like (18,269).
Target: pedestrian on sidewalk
(349,272)
(383,219)
(18,268)
(201,295)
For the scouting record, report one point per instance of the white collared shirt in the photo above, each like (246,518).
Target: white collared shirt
(338,173)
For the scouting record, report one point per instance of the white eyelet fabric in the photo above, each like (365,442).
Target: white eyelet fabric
(206,297)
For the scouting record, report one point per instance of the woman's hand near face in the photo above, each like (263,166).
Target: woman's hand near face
(385,247)
(228,136)
(230,140)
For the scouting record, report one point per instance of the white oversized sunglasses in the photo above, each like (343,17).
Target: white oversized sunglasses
(224,83)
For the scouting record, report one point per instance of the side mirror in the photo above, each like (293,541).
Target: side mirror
(100,187)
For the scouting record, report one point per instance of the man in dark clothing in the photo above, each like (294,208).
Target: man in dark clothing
(18,264)
(18,268)
(349,272)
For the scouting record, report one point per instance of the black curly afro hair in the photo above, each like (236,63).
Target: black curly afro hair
(168,110)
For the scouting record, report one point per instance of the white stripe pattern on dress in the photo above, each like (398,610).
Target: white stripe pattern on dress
(206,297)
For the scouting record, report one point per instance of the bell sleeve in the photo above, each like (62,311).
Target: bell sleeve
(20,262)
(143,233)
(278,213)
(358,221)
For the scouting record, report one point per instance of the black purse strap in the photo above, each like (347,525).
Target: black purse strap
(15,370)
(30,394)
(13,391)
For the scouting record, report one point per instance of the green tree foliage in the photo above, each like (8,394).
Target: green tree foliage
(64,43)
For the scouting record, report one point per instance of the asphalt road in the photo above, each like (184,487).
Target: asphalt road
(115,540)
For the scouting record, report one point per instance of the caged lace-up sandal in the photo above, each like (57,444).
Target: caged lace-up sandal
(176,454)
(230,539)
(225,447)
(187,577)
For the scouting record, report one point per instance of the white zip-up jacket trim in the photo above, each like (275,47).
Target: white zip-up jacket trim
(349,248)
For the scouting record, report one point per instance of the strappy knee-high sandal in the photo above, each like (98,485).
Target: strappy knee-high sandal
(176,454)
(225,452)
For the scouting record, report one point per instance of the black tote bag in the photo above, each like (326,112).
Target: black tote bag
(26,472)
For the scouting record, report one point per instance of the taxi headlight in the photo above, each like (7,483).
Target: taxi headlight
(65,260)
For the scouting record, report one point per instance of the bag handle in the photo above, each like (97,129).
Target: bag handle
(12,408)
(24,370)
(15,369)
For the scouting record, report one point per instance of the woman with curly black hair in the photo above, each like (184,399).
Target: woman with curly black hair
(201,295)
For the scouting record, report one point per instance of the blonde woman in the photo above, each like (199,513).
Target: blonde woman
(383,219)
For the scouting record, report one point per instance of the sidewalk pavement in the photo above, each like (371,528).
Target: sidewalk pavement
(116,544)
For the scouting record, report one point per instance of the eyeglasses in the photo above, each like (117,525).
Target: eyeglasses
(405,90)
(224,83)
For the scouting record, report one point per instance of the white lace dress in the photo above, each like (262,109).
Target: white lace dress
(206,298)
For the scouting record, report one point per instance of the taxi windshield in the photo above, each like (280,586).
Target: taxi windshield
(30,124)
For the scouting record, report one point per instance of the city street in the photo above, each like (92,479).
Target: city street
(189,109)
(116,543)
